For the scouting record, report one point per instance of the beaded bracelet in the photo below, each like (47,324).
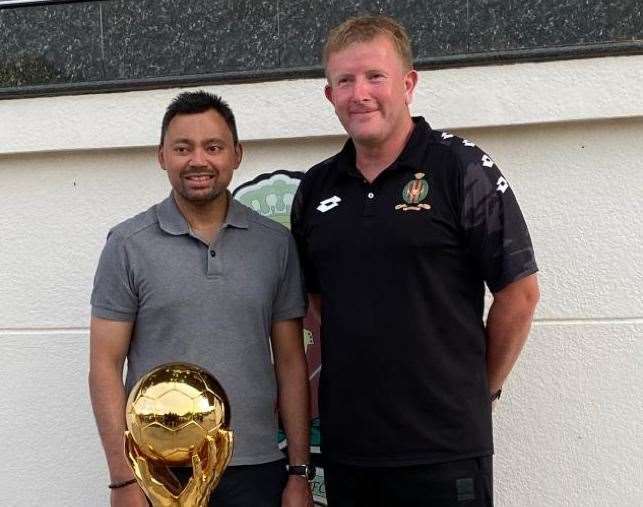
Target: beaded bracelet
(121,484)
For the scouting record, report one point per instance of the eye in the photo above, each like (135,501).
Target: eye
(214,148)
(180,149)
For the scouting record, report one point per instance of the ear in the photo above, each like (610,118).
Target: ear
(410,82)
(328,91)
(238,151)
(160,157)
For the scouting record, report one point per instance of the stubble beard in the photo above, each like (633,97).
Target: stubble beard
(198,197)
(370,133)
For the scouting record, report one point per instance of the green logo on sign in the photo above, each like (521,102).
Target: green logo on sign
(271,196)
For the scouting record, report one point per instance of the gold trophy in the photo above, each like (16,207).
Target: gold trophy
(178,415)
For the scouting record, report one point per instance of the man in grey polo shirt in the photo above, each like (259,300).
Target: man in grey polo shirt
(201,278)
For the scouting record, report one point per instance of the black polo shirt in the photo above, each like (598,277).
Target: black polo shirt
(401,264)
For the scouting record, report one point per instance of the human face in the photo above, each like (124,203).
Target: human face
(370,90)
(199,155)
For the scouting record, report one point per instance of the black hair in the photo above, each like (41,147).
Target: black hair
(199,102)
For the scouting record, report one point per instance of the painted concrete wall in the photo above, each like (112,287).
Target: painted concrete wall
(567,136)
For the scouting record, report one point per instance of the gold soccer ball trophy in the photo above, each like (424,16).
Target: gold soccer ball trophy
(178,415)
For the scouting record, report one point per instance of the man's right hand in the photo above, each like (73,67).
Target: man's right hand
(129,496)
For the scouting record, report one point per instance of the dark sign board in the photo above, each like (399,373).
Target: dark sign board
(51,48)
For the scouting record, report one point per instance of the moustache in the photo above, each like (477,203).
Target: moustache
(358,110)
(190,171)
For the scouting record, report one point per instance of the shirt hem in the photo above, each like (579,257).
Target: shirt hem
(296,313)
(519,276)
(394,461)
(107,314)
(257,460)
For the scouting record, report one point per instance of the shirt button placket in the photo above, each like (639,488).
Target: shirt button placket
(369,204)
(214,259)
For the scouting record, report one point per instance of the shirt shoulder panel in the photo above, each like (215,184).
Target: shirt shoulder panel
(134,225)
(319,171)
(470,157)
(268,225)
(495,229)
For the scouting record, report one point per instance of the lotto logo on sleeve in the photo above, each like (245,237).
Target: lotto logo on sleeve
(486,161)
(502,185)
(328,204)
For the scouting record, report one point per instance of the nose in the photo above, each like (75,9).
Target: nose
(198,158)
(360,90)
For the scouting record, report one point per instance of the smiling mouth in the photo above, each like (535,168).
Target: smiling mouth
(358,114)
(199,178)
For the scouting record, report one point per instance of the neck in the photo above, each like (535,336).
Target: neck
(372,159)
(206,215)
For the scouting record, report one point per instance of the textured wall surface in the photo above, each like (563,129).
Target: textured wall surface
(568,427)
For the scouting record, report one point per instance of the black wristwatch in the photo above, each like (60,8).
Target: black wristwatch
(307,471)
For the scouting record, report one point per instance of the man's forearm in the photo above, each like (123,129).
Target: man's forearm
(294,404)
(108,401)
(294,409)
(508,325)
(314,305)
(292,380)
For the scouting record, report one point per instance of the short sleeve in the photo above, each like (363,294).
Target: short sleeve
(113,296)
(289,302)
(298,228)
(495,231)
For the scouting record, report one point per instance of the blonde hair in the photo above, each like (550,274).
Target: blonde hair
(365,29)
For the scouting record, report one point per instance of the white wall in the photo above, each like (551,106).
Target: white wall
(568,138)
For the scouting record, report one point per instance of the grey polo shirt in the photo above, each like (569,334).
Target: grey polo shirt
(211,305)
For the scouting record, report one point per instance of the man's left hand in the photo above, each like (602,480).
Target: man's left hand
(297,493)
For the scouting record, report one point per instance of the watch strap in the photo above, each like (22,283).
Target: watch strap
(307,471)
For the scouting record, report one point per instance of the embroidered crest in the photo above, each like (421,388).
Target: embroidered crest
(413,193)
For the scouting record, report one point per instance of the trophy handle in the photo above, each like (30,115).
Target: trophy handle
(157,482)
(161,486)
(208,470)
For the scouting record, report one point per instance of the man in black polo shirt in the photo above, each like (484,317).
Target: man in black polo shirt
(398,234)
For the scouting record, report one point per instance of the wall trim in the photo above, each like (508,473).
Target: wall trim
(470,97)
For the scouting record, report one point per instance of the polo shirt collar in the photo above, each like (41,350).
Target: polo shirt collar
(237,214)
(412,155)
(172,221)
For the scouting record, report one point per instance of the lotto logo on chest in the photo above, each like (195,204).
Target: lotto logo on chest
(414,194)
(329,204)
